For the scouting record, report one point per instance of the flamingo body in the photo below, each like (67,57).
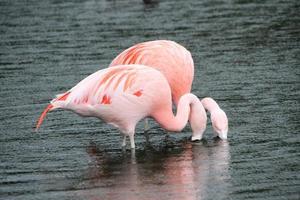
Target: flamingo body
(123,95)
(170,58)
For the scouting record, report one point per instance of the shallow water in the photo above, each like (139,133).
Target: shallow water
(246,55)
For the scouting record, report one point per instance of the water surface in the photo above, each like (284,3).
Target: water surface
(246,55)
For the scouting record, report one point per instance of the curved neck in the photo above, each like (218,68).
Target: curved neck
(209,104)
(168,121)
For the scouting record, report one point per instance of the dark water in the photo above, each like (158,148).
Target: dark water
(246,54)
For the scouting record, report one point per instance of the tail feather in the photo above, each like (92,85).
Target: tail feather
(60,97)
(43,115)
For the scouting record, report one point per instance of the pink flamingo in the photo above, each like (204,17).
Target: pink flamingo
(123,95)
(218,117)
(172,59)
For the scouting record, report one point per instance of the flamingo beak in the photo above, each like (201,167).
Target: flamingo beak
(196,137)
(223,134)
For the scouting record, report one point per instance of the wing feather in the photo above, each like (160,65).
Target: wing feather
(103,84)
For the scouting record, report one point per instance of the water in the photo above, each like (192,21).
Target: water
(246,54)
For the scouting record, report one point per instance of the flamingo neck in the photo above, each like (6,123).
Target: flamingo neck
(210,104)
(188,107)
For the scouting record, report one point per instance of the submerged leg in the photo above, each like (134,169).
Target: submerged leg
(133,157)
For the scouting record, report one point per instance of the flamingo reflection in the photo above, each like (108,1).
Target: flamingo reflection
(186,172)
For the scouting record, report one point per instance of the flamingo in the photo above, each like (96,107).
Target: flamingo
(169,57)
(176,64)
(173,60)
(123,95)
(218,117)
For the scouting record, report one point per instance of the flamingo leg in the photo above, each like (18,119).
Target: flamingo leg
(132,144)
(146,130)
(133,157)
(146,126)
(124,141)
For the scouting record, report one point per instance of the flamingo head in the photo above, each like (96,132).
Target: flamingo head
(198,120)
(197,137)
(221,134)
(220,123)
(198,132)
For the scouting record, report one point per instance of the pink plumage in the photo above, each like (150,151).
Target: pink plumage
(123,95)
(218,117)
(176,64)
(170,58)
